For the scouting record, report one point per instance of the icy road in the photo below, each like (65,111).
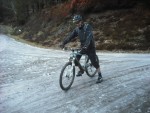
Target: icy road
(29,82)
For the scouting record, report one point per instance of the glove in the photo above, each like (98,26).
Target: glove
(83,50)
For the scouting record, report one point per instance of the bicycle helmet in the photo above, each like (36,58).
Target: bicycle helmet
(77,18)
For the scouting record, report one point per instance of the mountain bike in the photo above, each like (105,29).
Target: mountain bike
(67,74)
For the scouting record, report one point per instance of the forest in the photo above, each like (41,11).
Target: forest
(118,24)
(22,9)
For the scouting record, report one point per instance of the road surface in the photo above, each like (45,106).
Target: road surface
(29,82)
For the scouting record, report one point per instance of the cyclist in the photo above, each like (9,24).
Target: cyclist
(84,32)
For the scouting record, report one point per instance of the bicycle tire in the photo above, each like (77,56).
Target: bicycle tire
(63,87)
(89,65)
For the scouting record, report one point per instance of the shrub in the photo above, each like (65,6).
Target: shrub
(58,12)
(99,5)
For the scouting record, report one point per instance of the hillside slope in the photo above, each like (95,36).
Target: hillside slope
(115,29)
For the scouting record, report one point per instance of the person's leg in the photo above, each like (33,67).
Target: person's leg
(78,57)
(100,78)
(93,58)
(81,71)
(98,71)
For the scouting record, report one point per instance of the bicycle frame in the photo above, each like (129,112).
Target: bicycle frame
(73,58)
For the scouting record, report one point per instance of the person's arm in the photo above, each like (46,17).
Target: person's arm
(89,35)
(70,37)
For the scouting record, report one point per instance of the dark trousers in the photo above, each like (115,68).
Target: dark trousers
(92,56)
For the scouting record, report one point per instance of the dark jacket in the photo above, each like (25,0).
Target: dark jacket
(85,35)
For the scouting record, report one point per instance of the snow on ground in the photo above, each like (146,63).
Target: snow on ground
(29,82)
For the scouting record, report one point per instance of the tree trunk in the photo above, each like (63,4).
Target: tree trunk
(13,7)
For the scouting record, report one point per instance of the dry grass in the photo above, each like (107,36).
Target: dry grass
(124,29)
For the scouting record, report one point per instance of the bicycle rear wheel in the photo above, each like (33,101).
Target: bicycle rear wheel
(90,69)
(67,76)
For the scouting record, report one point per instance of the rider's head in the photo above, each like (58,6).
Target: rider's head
(77,19)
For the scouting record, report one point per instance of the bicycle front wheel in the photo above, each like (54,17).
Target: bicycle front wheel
(67,76)
(90,69)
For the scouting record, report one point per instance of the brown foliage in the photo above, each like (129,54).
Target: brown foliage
(56,13)
(99,5)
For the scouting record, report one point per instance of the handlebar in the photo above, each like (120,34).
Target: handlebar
(71,49)
(77,51)
(74,50)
